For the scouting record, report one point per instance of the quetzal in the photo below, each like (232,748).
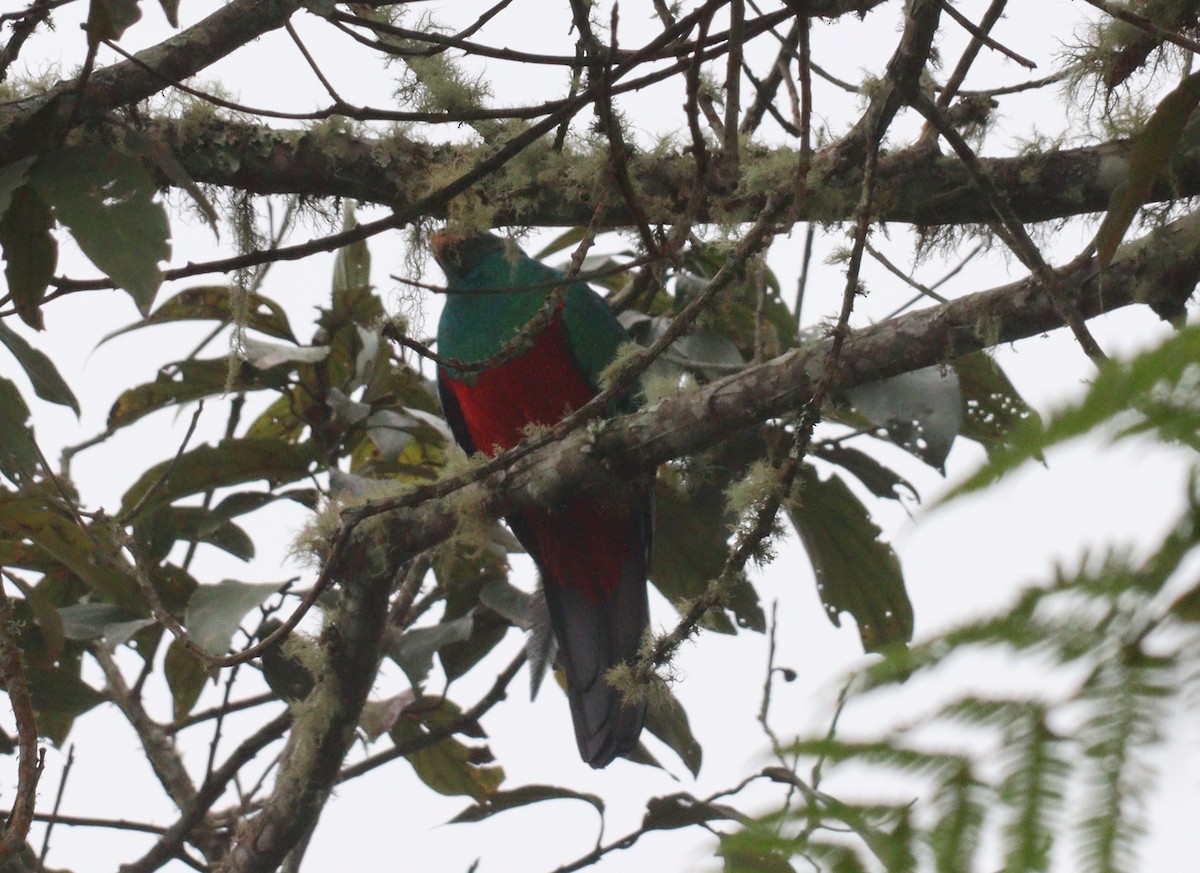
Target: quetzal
(593,551)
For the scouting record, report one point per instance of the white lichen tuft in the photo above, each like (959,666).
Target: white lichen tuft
(753,489)
(663,384)
(627,356)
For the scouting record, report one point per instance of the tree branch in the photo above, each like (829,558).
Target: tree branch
(208,794)
(1161,270)
(29,126)
(915,187)
(324,726)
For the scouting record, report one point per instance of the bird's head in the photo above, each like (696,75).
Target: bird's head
(458,255)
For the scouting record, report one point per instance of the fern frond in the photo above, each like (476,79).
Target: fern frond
(1032,789)
(959,804)
(1125,694)
(834,857)
(888,753)
(994,712)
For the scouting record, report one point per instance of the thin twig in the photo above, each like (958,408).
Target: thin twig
(220,721)
(31,760)
(215,712)
(733,90)
(312,64)
(979,34)
(1010,228)
(466,720)
(166,473)
(85,821)
(924,290)
(209,792)
(1145,24)
(58,797)
(764,707)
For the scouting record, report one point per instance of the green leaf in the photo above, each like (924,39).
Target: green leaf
(162,157)
(215,612)
(186,675)
(43,375)
(744,854)
(393,430)
(1152,151)
(286,674)
(1187,606)
(46,616)
(90,621)
(323,8)
(1033,789)
(667,719)
(52,540)
(993,406)
(177,384)
(413,649)
(514,605)
(922,410)
(704,351)
(107,200)
(282,421)
(171,10)
(379,716)
(13,177)
(230,462)
(464,575)
(1155,386)
(690,534)
(267,356)
(244,502)
(500,801)
(109,19)
(856,572)
(960,801)
(164,525)
(228,537)
(215,303)
(458,658)
(59,696)
(448,767)
(354,315)
(18,451)
(30,253)
(567,239)
(880,480)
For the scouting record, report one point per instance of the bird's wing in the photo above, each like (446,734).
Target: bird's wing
(453,413)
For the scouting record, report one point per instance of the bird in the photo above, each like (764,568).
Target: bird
(593,550)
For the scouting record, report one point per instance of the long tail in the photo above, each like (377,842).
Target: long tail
(594,563)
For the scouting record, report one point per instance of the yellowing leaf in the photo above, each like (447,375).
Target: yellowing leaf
(230,462)
(109,19)
(186,675)
(30,253)
(1151,152)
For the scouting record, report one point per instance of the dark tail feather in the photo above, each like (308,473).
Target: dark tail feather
(594,638)
(597,619)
